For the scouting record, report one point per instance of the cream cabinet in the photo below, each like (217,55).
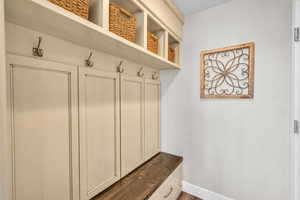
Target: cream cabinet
(152,118)
(44,129)
(132,131)
(99,131)
(67,149)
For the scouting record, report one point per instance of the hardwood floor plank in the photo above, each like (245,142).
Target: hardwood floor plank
(185,196)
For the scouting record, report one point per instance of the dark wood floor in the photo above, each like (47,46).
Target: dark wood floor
(185,196)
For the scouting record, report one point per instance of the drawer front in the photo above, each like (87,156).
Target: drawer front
(171,188)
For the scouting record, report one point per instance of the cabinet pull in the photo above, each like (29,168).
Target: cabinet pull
(170,192)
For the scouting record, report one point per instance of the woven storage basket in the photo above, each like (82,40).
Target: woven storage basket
(121,22)
(152,43)
(78,7)
(171,54)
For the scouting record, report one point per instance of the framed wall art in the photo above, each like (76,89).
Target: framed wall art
(228,72)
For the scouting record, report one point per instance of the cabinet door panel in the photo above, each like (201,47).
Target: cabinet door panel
(132,123)
(43,98)
(152,118)
(99,130)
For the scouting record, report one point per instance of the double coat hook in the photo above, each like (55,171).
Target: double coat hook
(120,67)
(37,51)
(141,72)
(89,62)
(155,76)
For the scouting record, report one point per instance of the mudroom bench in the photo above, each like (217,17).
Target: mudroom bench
(158,179)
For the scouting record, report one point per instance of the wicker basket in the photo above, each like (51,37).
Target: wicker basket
(152,43)
(121,22)
(171,54)
(78,7)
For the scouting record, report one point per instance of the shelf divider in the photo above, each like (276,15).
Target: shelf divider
(141,38)
(166,53)
(99,13)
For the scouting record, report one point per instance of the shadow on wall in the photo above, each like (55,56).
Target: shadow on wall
(167,78)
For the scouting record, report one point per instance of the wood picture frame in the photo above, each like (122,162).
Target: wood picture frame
(228,72)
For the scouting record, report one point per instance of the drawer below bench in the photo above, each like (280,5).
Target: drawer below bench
(171,188)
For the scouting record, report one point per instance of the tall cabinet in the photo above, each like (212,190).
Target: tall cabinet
(152,118)
(44,129)
(99,131)
(115,130)
(132,123)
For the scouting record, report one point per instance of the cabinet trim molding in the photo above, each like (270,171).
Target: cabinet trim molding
(5,181)
(175,10)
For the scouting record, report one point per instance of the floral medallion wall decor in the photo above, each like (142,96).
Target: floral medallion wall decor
(228,72)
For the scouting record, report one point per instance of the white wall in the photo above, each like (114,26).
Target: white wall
(237,148)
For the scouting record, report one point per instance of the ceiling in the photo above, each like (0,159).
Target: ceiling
(191,6)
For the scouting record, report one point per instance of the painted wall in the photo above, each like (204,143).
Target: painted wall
(237,148)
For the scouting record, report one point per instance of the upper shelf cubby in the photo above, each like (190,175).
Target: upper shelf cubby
(126,10)
(156,35)
(128,5)
(173,49)
(46,17)
(98,12)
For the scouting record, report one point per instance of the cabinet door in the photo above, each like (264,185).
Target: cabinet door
(131,123)
(152,118)
(44,129)
(99,131)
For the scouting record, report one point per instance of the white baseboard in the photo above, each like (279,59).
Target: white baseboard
(202,193)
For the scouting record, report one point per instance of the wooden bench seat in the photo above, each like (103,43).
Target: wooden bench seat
(142,183)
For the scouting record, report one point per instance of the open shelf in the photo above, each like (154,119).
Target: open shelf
(97,13)
(158,31)
(45,17)
(175,45)
(136,11)
(128,5)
